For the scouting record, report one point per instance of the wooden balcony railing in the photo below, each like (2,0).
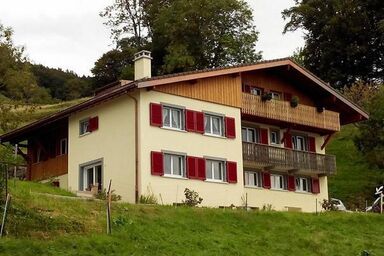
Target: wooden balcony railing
(282,111)
(50,168)
(258,155)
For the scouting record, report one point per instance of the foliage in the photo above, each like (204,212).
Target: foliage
(295,101)
(11,115)
(299,56)
(267,207)
(360,93)
(102,195)
(266,96)
(191,198)
(344,40)
(149,198)
(182,35)
(370,140)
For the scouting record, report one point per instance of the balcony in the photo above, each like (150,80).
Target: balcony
(50,168)
(275,158)
(282,111)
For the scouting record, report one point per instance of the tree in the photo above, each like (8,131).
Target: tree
(370,140)
(344,40)
(183,35)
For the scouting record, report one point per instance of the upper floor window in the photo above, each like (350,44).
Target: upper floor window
(174,165)
(275,137)
(215,170)
(276,95)
(279,182)
(214,125)
(173,117)
(63,146)
(84,126)
(252,179)
(299,142)
(303,184)
(249,135)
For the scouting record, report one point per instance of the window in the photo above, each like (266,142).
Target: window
(174,165)
(299,142)
(91,177)
(253,179)
(215,170)
(173,118)
(249,135)
(213,125)
(256,91)
(276,95)
(303,184)
(84,126)
(278,182)
(275,137)
(63,146)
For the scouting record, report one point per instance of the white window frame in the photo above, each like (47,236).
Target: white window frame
(172,171)
(247,129)
(171,110)
(84,175)
(277,132)
(295,142)
(84,126)
(299,184)
(279,182)
(275,95)
(253,179)
(258,91)
(209,118)
(210,164)
(65,141)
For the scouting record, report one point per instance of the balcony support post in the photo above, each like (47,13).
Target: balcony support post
(327,139)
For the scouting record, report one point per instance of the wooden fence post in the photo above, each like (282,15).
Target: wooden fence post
(109,197)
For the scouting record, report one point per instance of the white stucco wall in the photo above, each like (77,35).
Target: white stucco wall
(113,142)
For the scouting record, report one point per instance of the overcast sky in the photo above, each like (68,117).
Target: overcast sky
(70,34)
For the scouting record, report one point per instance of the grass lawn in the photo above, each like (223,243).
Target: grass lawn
(43,225)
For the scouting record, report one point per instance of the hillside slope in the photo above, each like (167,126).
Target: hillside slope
(44,225)
(355,181)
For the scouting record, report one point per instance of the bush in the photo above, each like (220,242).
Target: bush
(102,195)
(295,101)
(266,96)
(192,198)
(328,205)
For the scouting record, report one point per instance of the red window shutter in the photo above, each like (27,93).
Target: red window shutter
(232,172)
(156,114)
(93,124)
(263,136)
(157,165)
(287,96)
(315,186)
(291,183)
(201,168)
(311,144)
(199,122)
(230,128)
(266,180)
(288,140)
(192,167)
(190,120)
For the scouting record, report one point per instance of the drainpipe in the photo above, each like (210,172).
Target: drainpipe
(136,151)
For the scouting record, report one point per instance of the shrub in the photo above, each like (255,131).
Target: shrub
(295,101)
(102,195)
(266,96)
(328,205)
(192,198)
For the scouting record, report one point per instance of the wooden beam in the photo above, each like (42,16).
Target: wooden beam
(25,156)
(326,140)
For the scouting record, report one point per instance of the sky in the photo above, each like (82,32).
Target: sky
(70,34)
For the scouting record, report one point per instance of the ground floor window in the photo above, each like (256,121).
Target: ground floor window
(174,165)
(278,182)
(253,179)
(215,170)
(303,184)
(91,177)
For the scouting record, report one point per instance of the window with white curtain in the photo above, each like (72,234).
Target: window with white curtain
(303,184)
(174,165)
(214,125)
(252,179)
(278,182)
(173,118)
(215,170)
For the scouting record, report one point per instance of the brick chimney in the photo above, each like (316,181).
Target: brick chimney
(142,62)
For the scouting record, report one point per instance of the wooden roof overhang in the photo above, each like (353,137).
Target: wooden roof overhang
(27,131)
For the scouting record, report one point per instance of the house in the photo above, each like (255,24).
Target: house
(250,134)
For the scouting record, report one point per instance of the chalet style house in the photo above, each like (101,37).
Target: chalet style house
(253,133)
